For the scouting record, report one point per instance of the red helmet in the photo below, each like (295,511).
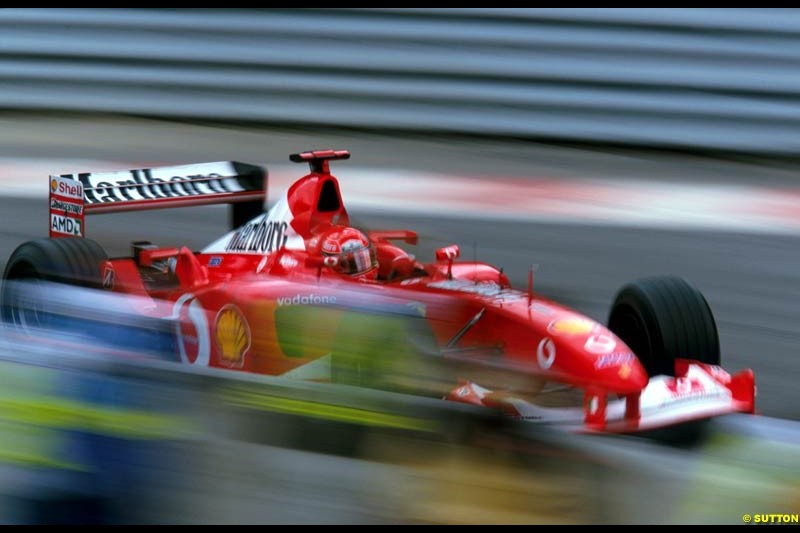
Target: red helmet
(348,251)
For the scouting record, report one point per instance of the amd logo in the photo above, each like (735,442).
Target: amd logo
(66,225)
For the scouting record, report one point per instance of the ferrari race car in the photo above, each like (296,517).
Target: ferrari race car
(296,291)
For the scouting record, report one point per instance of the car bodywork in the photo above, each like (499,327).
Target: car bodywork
(261,299)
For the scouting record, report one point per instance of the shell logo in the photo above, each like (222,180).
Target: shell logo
(232,335)
(571,326)
(53,185)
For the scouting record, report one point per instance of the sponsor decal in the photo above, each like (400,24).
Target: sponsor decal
(191,329)
(599,344)
(488,289)
(265,233)
(685,386)
(696,385)
(108,277)
(306,299)
(259,236)
(67,187)
(66,225)
(287,262)
(215,261)
(546,353)
(232,335)
(625,371)
(571,326)
(613,359)
(68,208)
(159,183)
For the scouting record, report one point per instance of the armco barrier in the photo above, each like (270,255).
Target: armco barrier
(706,78)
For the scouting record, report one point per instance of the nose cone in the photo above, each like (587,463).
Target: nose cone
(620,372)
(594,357)
(616,368)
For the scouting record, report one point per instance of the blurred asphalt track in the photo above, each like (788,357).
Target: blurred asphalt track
(751,280)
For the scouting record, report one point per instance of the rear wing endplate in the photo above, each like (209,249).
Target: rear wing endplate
(72,196)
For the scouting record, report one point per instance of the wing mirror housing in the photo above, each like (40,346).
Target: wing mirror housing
(449,254)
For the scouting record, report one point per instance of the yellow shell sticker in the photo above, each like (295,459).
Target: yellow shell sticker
(53,185)
(571,326)
(232,335)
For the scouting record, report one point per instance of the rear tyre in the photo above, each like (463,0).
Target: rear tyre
(72,261)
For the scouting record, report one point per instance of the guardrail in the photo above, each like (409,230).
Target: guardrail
(91,438)
(136,440)
(711,79)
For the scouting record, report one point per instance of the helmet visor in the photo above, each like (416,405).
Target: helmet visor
(358,261)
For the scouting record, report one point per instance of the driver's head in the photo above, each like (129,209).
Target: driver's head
(349,252)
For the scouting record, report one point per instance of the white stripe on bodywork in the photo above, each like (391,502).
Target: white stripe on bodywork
(197,315)
(280,212)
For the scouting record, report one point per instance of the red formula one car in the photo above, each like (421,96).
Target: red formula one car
(297,291)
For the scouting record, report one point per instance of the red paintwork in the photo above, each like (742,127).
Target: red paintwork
(243,291)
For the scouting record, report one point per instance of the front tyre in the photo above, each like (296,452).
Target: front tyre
(662,319)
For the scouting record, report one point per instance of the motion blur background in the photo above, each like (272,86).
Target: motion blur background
(687,118)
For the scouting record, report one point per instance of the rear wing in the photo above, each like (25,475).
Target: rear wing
(72,196)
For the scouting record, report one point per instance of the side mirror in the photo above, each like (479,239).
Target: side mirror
(448,253)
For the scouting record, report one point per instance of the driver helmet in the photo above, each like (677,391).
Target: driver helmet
(349,252)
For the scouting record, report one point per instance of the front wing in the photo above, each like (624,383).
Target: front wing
(698,392)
